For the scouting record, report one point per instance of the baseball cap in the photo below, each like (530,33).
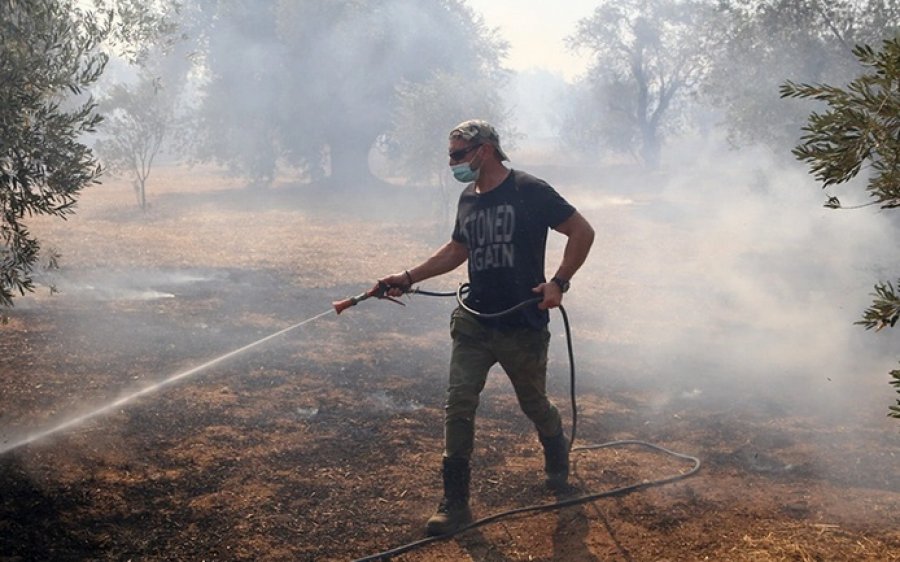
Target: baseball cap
(478,130)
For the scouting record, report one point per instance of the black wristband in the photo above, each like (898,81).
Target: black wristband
(563,284)
(408,277)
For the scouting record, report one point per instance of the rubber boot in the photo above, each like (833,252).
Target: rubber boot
(453,512)
(556,461)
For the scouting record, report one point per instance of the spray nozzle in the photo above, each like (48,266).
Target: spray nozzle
(379,291)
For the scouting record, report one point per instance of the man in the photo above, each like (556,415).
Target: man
(501,228)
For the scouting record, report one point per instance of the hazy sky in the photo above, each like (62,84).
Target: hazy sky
(535,30)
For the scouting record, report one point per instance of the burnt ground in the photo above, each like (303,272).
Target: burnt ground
(324,443)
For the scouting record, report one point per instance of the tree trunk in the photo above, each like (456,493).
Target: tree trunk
(650,146)
(139,192)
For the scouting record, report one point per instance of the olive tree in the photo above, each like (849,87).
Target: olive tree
(48,57)
(313,85)
(767,41)
(52,52)
(860,127)
(648,55)
(137,120)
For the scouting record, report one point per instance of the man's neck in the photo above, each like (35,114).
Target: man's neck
(491,178)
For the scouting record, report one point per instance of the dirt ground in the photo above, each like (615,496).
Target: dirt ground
(324,443)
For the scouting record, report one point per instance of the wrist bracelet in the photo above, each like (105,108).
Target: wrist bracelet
(563,284)
(408,277)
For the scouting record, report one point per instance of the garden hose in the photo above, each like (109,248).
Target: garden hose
(568,502)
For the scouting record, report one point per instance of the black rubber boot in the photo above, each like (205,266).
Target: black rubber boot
(556,461)
(453,512)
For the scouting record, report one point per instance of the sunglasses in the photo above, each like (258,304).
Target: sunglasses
(458,155)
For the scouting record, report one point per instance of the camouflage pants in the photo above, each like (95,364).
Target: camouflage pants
(476,348)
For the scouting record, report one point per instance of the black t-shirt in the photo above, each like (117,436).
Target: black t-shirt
(505,231)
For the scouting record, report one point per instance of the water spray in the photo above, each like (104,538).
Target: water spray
(72,422)
(379,291)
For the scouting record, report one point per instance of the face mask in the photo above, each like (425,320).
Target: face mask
(464,173)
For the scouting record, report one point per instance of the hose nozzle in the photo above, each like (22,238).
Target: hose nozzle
(378,291)
(342,305)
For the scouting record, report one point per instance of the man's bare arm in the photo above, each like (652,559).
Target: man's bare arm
(447,258)
(581,238)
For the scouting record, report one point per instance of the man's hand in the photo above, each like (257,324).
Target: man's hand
(398,283)
(552,295)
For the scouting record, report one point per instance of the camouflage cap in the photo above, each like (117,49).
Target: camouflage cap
(479,131)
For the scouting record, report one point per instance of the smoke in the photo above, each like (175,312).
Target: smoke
(133,284)
(724,276)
